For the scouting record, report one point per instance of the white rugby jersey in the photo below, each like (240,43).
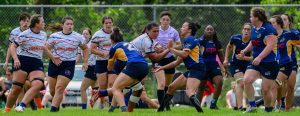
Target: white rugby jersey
(31,44)
(92,57)
(144,44)
(102,39)
(66,46)
(13,34)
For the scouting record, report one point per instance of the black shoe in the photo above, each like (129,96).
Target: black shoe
(259,102)
(214,106)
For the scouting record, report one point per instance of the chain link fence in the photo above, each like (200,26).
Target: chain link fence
(131,19)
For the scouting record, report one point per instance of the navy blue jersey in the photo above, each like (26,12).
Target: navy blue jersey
(238,45)
(125,52)
(285,45)
(210,51)
(258,43)
(296,32)
(192,45)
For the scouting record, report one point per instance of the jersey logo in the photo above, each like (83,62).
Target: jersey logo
(67,72)
(258,36)
(268,73)
(282,40)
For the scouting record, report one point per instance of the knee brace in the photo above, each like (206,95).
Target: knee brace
(18,84)
(278,82)
(38,79)
(134,99)
(137,87)
(238,79)
(125,91)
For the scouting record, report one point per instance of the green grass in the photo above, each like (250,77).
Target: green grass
(182,111)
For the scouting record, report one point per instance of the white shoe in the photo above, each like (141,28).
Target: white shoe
(19,109)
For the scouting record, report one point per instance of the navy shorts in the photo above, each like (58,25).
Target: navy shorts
(286,69)
(196,71)
(267,69)
(66,68)
(136,70)
(90,73)
(166,61)
(119,66)
(29,64)
(236,68)
(101,66)
(295,66)
(212,69)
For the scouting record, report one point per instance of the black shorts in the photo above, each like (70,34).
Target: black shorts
(136,70)
(295,66)
(29,64)
(101,66)
(166,61)
(90,73)
(236,68)
(286,69)
(66,68)
(196,71)
(267,69)
(212,69)
(119,66)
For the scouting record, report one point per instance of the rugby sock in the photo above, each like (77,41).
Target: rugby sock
(252,103)
(38,101)
(33,105)
(168,103)
(83,106)
(196,103)
(283,102)
(160,96)
(110,99)
(103,93)
(22,104)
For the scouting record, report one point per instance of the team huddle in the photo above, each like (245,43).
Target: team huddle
(115,68)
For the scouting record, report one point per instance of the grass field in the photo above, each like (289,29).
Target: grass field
(185,111)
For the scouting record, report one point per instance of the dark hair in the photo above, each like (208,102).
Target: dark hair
(24,16)
(116,36)
(54,27)
(247,23)
(215,39)
(34,20)
(259,13)
(291,20)
(66,18)
(194,27)
(165,13)
(149,27)
(278,20)
(107,17)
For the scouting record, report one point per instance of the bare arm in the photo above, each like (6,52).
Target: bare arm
(227,53)
(183,54)
(173,64)
(178,45)
(157,57)
(95,51)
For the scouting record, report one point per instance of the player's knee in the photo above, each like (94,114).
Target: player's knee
(171,88)
(60,89)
